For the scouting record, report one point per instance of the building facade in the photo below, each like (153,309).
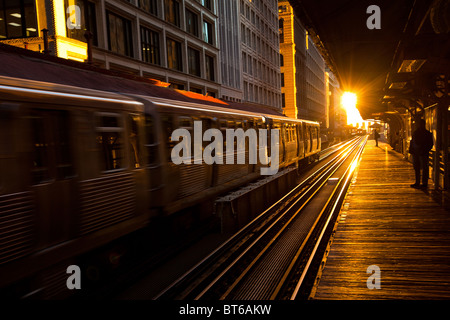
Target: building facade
(174,41)
(316,94)
(230,50)
(292,60)
(337,117)
(249,51)
(226,49)
(303,75)
(261,79)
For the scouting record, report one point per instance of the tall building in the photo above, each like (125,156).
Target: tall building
(260,52)
(174,41)
(337,117)
(292,60)
(226,49)
(302,70)
(249,51)
(316,94)
(230,50)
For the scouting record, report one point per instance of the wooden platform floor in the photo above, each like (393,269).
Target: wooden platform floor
(385,222)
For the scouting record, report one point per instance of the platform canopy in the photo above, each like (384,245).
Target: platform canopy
(362,58)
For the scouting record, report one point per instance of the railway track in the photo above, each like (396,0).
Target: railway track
(273,256)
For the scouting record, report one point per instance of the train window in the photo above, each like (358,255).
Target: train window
(308,139)
(223,128)
(110,141)
(40,155)
(286,134)
(168,127)
(135,139)
(6,144)
(317,137)
(51,146)
(294,133)
(151,143)
(188,124)
(185,122)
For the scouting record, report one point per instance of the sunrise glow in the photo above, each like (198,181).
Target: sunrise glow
(349,101)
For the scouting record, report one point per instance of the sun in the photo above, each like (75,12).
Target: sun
(348,102)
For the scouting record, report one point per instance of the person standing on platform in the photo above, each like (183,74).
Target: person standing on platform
(421,144)
(376,136)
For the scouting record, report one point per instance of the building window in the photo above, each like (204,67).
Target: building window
(172,11)
(194,62)
(210,68)
(87,20)
(174,57)
(191,23)
(207,32)
(207,4)
(177,86)
(149,6)
(18,19)
(281,30)
(282,79)
(196,90)
(120,37)
(150,46)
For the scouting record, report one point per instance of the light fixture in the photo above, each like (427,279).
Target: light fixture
(397,85)
(411,65)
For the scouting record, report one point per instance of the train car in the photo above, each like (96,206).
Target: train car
(72,176)
(80,168)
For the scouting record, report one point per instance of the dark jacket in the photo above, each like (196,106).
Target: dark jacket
(421,143)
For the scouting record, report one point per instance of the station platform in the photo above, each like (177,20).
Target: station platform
(386,223)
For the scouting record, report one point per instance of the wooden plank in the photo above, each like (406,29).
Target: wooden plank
(387,223)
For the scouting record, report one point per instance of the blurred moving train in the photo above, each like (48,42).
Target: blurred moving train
(80,168)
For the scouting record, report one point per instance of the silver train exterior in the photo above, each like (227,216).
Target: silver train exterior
(80,168)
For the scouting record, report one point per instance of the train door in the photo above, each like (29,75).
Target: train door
(155,156)
(282,141)
(207,124)
(52,173)
(300,142)
(307,137)
(314,139)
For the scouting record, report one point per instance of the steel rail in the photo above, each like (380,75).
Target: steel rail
(218,254)
(313,190)
(342,191)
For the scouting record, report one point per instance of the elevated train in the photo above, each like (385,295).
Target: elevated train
(80,168)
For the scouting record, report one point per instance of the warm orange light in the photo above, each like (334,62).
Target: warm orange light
(199,96)
(348,102)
